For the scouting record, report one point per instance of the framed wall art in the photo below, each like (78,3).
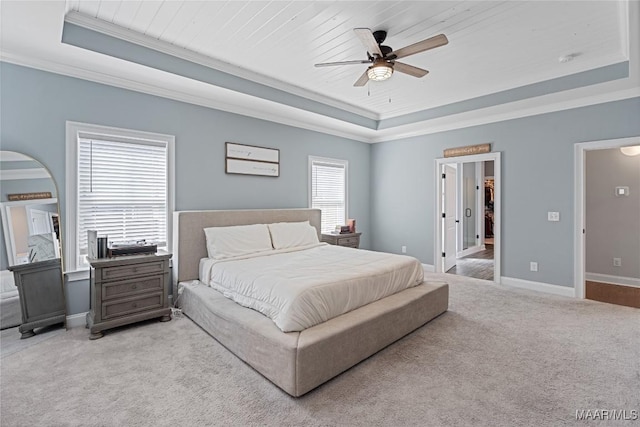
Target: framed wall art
(251,160)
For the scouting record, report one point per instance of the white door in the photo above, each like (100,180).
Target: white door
(450,224)
(39,222)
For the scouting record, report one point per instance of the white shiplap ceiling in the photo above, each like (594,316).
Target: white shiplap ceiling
(493,46)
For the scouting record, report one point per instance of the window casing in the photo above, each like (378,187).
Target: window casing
(328,190)
(119,183)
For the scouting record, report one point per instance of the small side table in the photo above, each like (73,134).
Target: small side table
(349,240)
(41,294)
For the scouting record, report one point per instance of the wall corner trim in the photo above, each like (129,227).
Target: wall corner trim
(538,286)
(77,320)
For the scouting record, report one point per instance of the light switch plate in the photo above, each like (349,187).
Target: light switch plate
(553,216)
(622,191)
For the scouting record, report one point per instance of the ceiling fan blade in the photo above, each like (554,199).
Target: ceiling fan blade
(430,43)
(364,78)
(366,37)
(331,64)
(410,69)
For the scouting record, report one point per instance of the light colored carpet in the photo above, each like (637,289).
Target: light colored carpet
(10,341)
(498,357)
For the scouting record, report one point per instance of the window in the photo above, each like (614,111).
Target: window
(328,190)
(119,183)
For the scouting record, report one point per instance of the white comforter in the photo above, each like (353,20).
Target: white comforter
(301,287)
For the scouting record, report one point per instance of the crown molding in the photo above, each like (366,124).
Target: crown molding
(242,104)
(247,105)
(125,34)
(18,174)
(514,110)
(12,156)
(235,102)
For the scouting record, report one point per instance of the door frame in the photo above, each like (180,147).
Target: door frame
(579,246)
(497,208)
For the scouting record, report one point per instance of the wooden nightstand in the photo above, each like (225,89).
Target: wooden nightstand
(350,240)
(128,289)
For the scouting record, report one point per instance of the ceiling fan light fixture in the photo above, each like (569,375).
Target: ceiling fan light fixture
(633,150)
(380,71)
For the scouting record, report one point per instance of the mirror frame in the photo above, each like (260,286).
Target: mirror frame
(8,234)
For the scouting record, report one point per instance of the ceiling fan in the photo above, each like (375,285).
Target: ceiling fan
(383,58)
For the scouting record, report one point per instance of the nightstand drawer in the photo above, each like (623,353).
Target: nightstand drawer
(348,241)
(109,273)
(131,305)
(124,288)
(353,245)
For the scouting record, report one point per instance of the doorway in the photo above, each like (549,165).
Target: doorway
(468,240)
(607,180)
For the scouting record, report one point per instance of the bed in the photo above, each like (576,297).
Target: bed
(297,361)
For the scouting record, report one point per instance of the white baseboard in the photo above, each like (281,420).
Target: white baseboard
(614,280)
(75,320)
(538,286)
(429,268)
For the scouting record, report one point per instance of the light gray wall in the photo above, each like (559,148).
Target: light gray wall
(537,177)
(391,184)
(35,106)
(612,222)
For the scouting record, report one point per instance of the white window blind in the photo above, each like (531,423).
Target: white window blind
(329,191)
(122,191)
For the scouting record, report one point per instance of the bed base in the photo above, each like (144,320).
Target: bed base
(297,362)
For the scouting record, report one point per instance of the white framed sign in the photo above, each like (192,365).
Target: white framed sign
(250,152)
(249,167)
(251,160)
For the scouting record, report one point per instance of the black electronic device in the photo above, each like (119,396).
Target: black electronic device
(138,248)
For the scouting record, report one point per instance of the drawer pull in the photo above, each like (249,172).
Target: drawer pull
(134,287)
(134,305)
(135,269)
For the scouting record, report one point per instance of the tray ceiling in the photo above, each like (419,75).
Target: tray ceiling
(493,46)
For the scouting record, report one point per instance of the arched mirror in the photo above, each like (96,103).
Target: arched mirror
(32,293)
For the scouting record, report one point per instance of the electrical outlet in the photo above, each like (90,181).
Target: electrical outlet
(404,249)
(553,216)
(533,266)
(617,262)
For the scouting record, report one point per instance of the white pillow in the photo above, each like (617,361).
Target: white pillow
(292,234)
(226,242)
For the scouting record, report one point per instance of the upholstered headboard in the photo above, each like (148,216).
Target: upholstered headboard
(189,244)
